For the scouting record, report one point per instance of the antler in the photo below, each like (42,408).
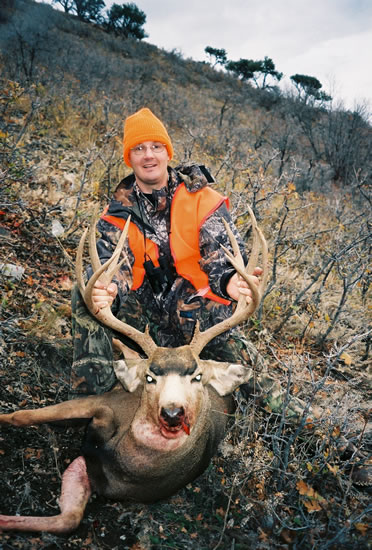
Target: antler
(243,310)
(105,274)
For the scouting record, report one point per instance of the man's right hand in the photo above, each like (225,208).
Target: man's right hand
(103,295)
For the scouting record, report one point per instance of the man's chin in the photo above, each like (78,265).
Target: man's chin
(151,182)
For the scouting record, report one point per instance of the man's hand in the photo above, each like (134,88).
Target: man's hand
(237,286)
(104,295)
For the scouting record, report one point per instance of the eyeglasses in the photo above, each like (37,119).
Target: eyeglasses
(141,149)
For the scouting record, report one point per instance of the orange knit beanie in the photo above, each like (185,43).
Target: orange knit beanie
(144,126)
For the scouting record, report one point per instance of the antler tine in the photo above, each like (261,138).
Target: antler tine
(106,273)
(259,242)
(243,310)
(111,267)
(236,260)
(265,260)
(100,271)
(93,254)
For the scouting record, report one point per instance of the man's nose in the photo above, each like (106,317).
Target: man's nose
(149,152)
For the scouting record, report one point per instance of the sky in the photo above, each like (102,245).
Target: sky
(328,39)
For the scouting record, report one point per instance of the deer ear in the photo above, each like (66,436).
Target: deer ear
(129,372)
(226,377)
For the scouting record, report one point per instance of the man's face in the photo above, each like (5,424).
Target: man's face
(150,165)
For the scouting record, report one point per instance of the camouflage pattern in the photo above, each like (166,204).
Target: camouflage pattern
(92,368)
(152,216)
(170,312)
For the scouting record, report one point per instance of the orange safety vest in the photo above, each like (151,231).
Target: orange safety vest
(188,213)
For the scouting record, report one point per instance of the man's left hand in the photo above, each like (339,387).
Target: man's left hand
(237,286)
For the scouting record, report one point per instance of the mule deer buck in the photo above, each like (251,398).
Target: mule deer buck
(158,429)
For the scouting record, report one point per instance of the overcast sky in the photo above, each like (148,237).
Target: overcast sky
(328,39)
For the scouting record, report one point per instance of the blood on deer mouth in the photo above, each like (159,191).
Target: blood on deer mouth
(173,423)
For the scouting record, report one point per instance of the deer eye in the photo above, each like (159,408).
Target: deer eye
(150,379)
(197,378)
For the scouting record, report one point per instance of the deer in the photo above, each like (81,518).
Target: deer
(159,427)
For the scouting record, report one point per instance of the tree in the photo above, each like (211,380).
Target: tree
(258,71)
(67,5)
(268,69)
(88,10)
(244,68)
(345,146)
(127,20)
(309,88)
(220,55)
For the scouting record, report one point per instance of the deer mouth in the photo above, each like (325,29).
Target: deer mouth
(173,423)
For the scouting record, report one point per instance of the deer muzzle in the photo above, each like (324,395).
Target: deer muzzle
(174,419)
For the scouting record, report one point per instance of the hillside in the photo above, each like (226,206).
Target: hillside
(65,89)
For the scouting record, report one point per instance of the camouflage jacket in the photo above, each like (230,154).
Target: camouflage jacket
(151,214)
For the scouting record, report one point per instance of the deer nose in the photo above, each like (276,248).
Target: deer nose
(173,417)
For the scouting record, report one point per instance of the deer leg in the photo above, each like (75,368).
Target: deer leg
(68,410)
(75,494)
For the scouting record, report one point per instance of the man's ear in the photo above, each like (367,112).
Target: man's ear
(129,372)
(226,377)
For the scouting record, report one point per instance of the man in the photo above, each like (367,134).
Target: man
(178,273)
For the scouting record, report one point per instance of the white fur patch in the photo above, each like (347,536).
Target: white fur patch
(127,376)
